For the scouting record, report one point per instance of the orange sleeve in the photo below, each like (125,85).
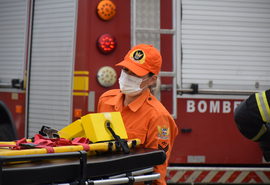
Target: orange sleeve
(161,134)
(101,101)
(99,105)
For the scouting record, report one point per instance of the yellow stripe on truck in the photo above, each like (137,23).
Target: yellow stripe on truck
(80,83)
(80,94)
(81,72)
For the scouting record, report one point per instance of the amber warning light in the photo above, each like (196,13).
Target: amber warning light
(106,10)
(106,43)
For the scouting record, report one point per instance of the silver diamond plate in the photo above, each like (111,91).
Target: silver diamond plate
(148,14)
(148,17)
(146,38)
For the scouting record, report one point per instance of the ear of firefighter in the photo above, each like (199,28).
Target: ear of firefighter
(93,127)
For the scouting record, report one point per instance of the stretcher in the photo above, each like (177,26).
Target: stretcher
(93,148)
(110,159)
(80,168)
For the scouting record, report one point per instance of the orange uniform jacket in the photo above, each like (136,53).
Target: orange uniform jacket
(145,118)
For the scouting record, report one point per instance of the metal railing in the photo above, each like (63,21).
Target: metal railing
(218,91)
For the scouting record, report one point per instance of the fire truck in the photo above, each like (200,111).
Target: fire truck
(58,56)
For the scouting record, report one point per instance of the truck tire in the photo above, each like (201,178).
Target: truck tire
(6,132)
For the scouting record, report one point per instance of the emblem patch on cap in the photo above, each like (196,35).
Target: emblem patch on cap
(137,56)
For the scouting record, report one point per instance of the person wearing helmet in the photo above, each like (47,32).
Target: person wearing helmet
(252,118)
(143,115)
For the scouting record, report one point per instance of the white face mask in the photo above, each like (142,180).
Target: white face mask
(130,85)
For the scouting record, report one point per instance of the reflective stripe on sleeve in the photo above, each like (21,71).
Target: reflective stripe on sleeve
(263,106)
(261,132)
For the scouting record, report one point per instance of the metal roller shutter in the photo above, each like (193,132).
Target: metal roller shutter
(52,63)
(13,39)
(226,44)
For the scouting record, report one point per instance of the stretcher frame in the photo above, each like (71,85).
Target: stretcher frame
(80,168)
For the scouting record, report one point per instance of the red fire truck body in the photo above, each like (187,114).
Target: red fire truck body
(200,97)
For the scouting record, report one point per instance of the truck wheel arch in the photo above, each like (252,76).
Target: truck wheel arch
(7,126)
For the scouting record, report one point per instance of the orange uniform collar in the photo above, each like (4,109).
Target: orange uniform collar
(117,101)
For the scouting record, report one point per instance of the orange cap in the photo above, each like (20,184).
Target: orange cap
(142,59)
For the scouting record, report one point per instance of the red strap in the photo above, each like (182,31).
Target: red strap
(63,142)
(38,137)
(82,141)
(44,143)
(48,148)
(7,145)
(18,147)
(48,144)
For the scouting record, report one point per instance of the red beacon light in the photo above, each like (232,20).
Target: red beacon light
(106,43)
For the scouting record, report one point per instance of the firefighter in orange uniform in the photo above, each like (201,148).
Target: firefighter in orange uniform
(143,115)
(252,118)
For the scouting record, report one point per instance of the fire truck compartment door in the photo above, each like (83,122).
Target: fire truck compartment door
(51,64)
(13,40)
